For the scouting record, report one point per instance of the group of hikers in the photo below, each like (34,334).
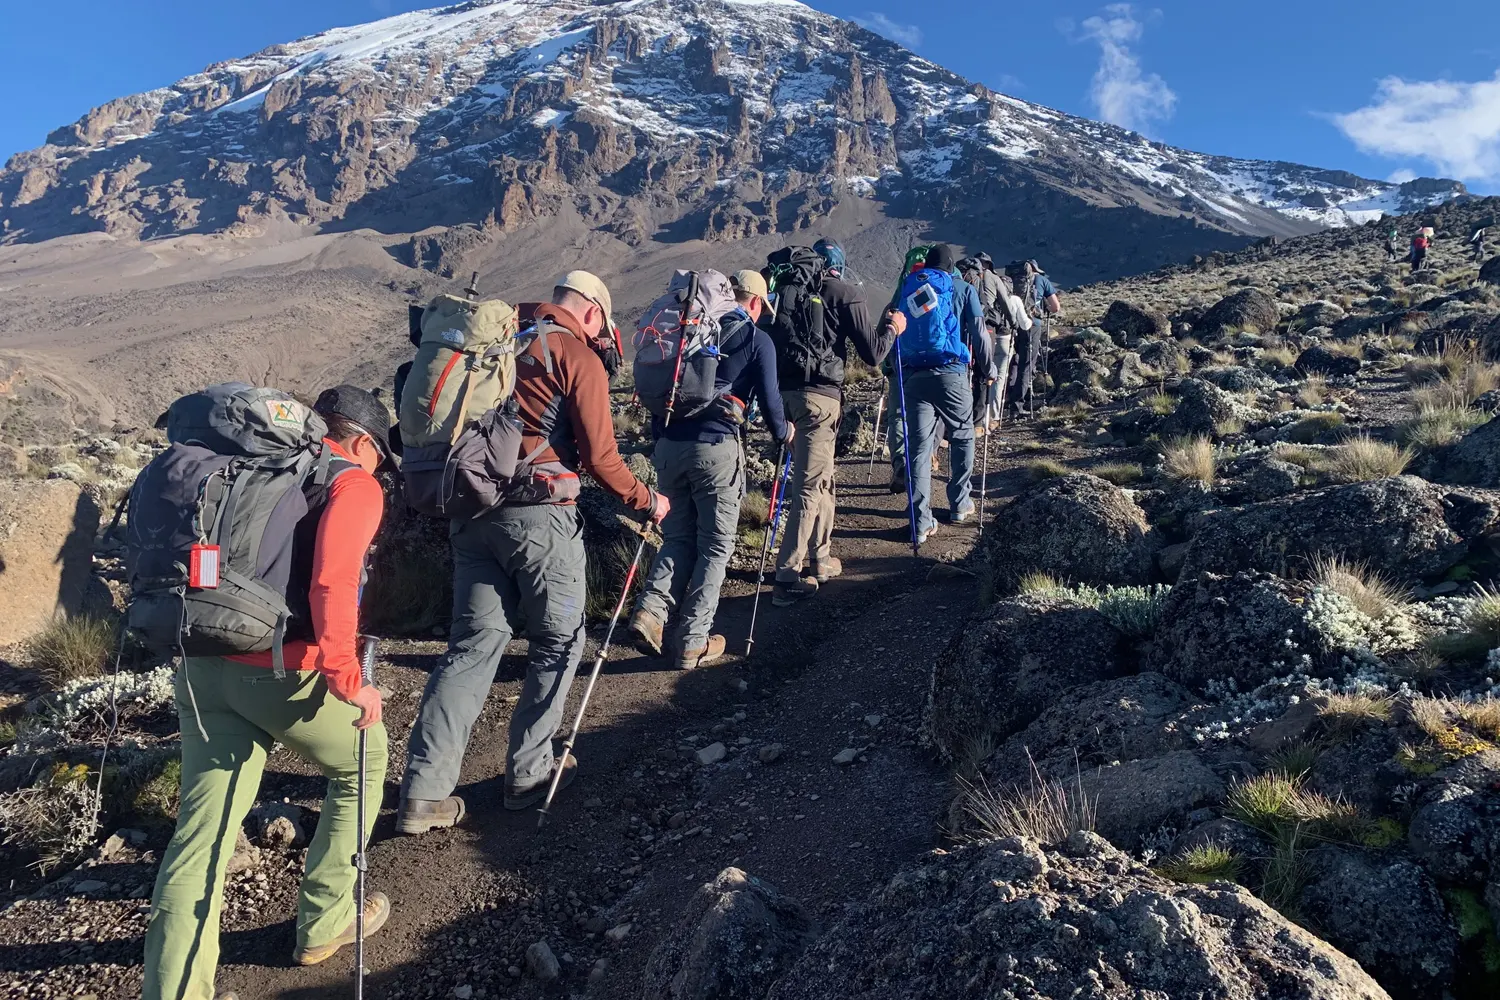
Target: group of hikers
(247,539)
(1421,246)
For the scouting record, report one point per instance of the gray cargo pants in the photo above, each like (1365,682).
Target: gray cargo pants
(518,564)
(704,483)
(940,397)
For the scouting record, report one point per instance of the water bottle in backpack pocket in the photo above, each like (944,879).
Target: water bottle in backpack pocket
(219,538)
(932,338)
(676,344)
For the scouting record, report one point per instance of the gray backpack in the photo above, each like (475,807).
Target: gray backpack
(222,525)
(677,345)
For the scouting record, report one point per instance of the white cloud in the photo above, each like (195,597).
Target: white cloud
(1121,92)
(909,35)
(1402,176)
(1455,126)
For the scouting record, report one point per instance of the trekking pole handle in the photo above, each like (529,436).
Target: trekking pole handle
(367,648)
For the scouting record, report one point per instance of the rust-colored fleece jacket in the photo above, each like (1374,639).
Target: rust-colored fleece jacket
(574,399)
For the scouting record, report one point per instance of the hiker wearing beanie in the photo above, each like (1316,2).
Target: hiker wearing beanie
(523,562)
(700,466)
(944,337)
(308,695)
(818,317)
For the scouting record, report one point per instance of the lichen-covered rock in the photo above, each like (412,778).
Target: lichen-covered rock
(1475,458)
(1270,479)
(1002,670)
(1404,527)
(1129,373)
(1164,355)
(1247,309)
(1129,324)
(1135,798)
(1388,915)
(1319,360)
(1202,409)
(1011,919)
(1455,830)
(1490,271)
(1078,528)
(1237,378)
(737,935)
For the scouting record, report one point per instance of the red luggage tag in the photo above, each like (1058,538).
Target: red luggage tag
(203,567)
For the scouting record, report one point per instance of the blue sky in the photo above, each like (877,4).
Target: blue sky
(1376,87)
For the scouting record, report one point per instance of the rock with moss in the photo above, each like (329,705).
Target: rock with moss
(1403,527)
(1077,528)
(1247,309)
(1013,919)
(1386,914)
(1203,409)
(735,937)
(1238,378)
(1002,671)
(1455,828)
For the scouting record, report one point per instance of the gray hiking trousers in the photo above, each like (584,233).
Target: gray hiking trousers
(517,564)
(705,483)
(940,397)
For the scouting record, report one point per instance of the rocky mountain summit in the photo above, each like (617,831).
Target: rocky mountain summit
(665,119)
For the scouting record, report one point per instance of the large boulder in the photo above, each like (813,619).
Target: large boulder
(1490,271)
(1136,798)
(1387,914)
(1129,324)
(1247,309)
(736,937)
(1404,527)
(1475,458)
(1202,409)
(1005,668)
(1011,919)
(1078,528)
(1319,360)
(1455,830)
(47,533)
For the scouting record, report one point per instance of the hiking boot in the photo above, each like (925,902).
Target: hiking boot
(826,569)
(647,630)
(377,912)
(691,659)
(925,534)
(529,795)
(962,514)
(784,595)
(422,815)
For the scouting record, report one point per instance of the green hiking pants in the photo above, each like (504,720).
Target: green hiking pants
(244,710)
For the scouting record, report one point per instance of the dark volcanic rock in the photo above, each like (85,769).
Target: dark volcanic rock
(1404,527)
(1250,627)
(1000,672)
(1490,272)
(1010,919)
(1246,309)
(1129,324)
(1077,528)
(1319,360)
(1201,408)
(1475,458)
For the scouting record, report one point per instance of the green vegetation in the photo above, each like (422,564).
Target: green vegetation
(1204,864)
(1120,473)
(1363,458)
(1483,616)
(400,598)
(73,647)
(1159,403)
(1438,425)
(1313,392)
(1191,460)
(1314,426)
(605,574)
(1135,611)
(1046,468)
(1294,761)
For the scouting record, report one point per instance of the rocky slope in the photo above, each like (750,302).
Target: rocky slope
(667,119)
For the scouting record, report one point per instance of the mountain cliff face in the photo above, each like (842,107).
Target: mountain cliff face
(650,120)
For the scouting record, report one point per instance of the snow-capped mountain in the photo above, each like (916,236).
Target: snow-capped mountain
(689,118)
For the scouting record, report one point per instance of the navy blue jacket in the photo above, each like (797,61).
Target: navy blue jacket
(748,368)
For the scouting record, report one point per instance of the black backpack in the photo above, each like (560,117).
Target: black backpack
(804,346)
(1022,275)
(222,524)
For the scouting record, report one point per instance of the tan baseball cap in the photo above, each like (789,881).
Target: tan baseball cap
(591,288)
(754,283)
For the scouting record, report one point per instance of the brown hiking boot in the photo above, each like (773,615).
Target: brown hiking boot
(826,569)
(527,796)
(422,815)
(377,912)
(786,594)
(691,659)
(647,630)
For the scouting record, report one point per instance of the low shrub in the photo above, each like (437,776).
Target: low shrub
(1191,460)
(1135,611)
(1363,458)
(1372,593)
(73,647)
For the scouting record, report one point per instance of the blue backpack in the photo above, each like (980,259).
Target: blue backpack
(932,338)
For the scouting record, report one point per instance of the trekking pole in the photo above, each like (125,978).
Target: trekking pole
(778,504)
(911,507)
(879,412)
(984,472)
(588,691)
(361,863)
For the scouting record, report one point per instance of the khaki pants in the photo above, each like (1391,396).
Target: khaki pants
(809,529)
(245,710)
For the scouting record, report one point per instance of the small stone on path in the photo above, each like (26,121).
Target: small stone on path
(770,753)
(712,754)
(542,963)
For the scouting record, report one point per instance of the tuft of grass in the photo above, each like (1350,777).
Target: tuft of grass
(1363,458)
(1297,454)
(1045,811)
(1294,761)
(400,597)
(1229,427)
(1286,872)
(1482,716)
(1203,865)
(1373,594)
(1353,711)
(1281,355)
(1273,802)
(1454,378)
(53,820)
(1313,391)
(1120,473)
(1191,460)
(754,508)
(1435,425)
(1483,615)
(1159,403)
(73,647)
(1313,426)
(1046,468)
(604,575)
(1041,585)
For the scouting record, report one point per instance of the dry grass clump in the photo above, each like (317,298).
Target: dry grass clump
(1482,716)
(1372,593)
(1314,425)
(1281,355)
(1363,458)
(604,575)
(1046,468)
(1119,473)
(1192,459)
(1313,392)
(1046,811)
(73,647)
(1436,425)
(1352,711)
(1041,585)
(1454,378)
(1159,403)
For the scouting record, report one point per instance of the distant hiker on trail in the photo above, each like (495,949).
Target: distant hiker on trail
(700,466)
(1420,244)
(306,693)
(1476,244)
(1004,317)
(523,561)
(818,316)
(944,335)
(1039,294)
(1393,245)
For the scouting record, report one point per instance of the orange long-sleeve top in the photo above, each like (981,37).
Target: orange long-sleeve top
(350,520)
